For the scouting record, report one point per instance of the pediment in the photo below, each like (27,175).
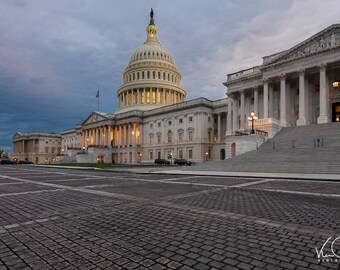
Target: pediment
(326,40)
(94,117)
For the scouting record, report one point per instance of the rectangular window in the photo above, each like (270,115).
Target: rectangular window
(159,139)
(151,155)
(190,119)
(142,97)
(180,153)
(151,125)
(159,124)
(148,97)
(46,150)
(180,120)
(153,96)
(190,153)
(209,118)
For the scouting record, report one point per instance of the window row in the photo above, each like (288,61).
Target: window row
(150,96)
(143,55)
(169,123)
(170,137)
(142,75)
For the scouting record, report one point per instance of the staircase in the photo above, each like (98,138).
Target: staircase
(305,149)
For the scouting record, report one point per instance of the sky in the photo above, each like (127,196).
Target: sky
(54,55)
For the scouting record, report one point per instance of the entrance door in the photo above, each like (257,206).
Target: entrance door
(222,154)
(336,112)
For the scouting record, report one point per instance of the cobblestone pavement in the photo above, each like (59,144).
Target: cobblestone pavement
(74,219)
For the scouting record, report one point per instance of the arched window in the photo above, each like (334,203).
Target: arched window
(153,75)
(133,76)
(143,75)
(151,136)
(148,74)
(190,134)
(209,135)
(164,76)
(169,136)
(137,75)
(159,75)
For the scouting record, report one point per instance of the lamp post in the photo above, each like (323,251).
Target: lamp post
(206,156)
(83,149)
(170,158)
(140,157)
(252,118)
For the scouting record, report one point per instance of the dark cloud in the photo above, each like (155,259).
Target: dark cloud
(54,55)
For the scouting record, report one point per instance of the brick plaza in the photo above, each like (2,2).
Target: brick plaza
(90,219)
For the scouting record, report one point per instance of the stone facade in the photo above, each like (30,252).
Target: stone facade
(38,147)
(290,88)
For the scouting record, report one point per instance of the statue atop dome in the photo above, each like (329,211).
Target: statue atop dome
(152,22)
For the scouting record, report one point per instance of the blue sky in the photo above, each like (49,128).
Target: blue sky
(55,54)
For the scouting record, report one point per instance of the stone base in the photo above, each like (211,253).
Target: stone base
(301,122)
(323,119)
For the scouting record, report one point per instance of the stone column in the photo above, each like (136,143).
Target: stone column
(95,136)
(129,134)
(163,96)
(157,95)
(138,96)
(283,100)
(324,97)
(219,133)
(256,102)
(144,101)
(302,99)
(108,137)
(242,113)
(229,130)
(265,99)
(124,135)
(235,114)
(134,134)
(271,101)
(119,136)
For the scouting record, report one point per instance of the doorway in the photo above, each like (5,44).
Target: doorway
(336,112)
(222,154)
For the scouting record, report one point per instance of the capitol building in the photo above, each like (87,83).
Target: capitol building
(296,87)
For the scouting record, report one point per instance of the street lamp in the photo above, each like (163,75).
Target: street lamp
(206,156)
(170,158)
(252,118)
(140,157)
(83,149)
(62,151)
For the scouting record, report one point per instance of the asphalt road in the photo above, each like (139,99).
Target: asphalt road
(76,219)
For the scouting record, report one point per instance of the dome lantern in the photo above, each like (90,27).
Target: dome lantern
(151,30)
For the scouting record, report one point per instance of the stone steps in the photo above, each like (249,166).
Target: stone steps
(303,158)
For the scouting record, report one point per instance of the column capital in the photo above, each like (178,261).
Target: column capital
(265,80)
(283,76)
(322,66)
(301,71)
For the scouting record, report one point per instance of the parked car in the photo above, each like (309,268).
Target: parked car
(6,162)
(182,162)
(25,162)
(162,161)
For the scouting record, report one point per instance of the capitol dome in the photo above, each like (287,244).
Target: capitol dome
(151,79)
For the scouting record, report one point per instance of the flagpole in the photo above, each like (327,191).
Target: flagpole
(98,103)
